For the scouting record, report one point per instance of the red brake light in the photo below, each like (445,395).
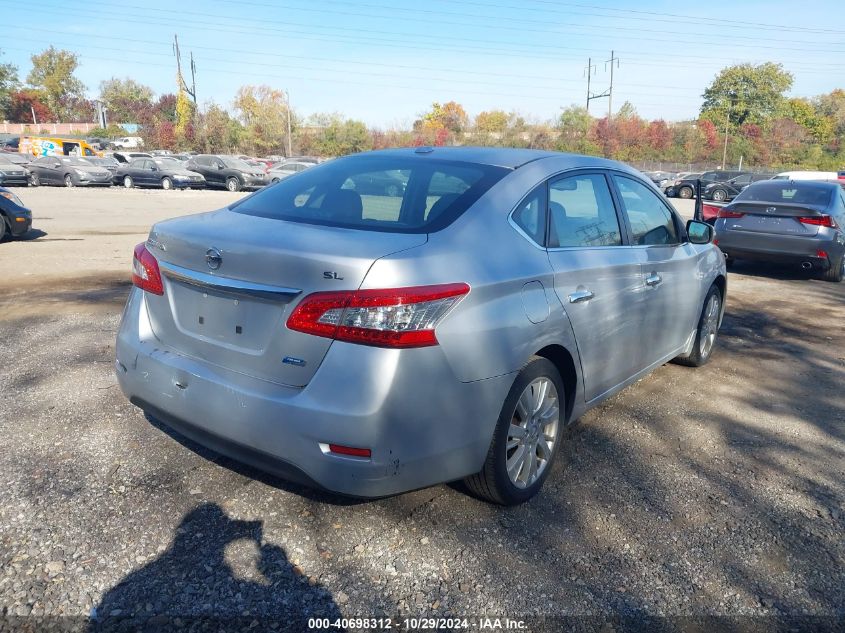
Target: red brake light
(727,213)
(349,450)
(819,220)
(399,317)
(145,272)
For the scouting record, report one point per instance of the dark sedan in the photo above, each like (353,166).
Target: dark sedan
(15,218)
(383,183)
(161,172)
(69,171)
(227,172)
(729,189)
(786,221)
(11,173)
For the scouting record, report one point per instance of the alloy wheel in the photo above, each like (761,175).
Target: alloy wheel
(533,432)
(709,326)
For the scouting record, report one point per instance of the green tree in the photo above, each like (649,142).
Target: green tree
(125,99)
(746,93)
(9,83)
(832,105)
(218,132)
(492,122)
(52,74)
(264,113)
(804,114)
(574,126)
(337,136)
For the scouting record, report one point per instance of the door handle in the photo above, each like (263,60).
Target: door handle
(653,280)
(580,296)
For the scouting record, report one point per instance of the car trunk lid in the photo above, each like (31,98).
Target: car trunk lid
(231,281)
(775,218)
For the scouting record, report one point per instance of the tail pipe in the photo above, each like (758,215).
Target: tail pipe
(806,265)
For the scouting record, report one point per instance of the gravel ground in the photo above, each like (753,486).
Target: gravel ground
(692,494)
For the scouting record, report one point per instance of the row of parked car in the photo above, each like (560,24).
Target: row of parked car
(154,169)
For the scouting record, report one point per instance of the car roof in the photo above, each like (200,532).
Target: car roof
(496,156)
(808,184)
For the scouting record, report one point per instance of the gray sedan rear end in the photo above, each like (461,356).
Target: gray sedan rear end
(372,344)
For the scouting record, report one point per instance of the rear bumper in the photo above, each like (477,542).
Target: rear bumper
(422,425)
(14,181)
(784,249)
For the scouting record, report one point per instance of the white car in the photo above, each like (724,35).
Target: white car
(806,175)
(128,142)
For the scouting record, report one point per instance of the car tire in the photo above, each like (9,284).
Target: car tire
(518,462)
(127,182)
(3,230)
(167,183)
(836,271)
(720,195)
(685,193)
(69,181)
(34,180)
(706,332)
(233,184)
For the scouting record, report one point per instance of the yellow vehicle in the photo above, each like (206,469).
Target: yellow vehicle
(53,146)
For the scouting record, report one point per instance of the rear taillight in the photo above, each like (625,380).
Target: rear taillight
(400,317)
(145,272)
(727,213)
(819,220)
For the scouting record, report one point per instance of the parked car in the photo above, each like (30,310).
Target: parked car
(787,221)
(227,172)
(109,162)
(69,171)
(128,157)
(378,183)
(160,172)
(98,143)
(372,345)
(685,187)
(17,158)
(127,142)
(280,171)
(12,173)
(729,189)
(15,218)
(807,175)
(661,179)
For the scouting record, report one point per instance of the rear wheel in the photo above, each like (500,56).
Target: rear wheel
(167,183)
(233,184)
(685,192)
(836,271)
(708,328)
(127,182)
(34,180)
(69,181)
(720,195)
(526,438)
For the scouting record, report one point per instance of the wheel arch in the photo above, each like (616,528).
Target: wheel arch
(563,360)
(721,282)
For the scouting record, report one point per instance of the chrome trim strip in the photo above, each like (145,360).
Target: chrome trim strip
(224,284)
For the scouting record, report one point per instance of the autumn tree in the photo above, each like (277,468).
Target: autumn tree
(746,93)
(449,116)
(125,99)
(575,126)
(22,105)
(9,83)
(492,122)
(217,131)
(337,136)
(264,113)
(52,75)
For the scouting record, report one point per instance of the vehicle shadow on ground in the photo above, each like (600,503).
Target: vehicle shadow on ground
(770,270)
(31,235)
(218,574)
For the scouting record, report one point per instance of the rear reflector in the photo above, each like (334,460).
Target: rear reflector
(348,450)
(145,272)
(822,254)
(400,317)
(819,220)
(726,213)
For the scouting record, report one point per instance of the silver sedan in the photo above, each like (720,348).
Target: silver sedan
(372,344)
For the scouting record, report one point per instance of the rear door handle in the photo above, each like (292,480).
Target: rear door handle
(653,280)
(581,295)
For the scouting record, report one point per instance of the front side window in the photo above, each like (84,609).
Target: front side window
(380,193)
(651,222)
(582,213)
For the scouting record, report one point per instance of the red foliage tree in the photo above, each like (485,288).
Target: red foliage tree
(22,104)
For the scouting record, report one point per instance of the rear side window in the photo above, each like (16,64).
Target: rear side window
(379,193)
(651,222)
(530,215)
(582,213)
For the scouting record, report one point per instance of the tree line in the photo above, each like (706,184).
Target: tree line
(746,104)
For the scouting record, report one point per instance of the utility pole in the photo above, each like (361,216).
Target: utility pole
(287,101)
(613,58)
(590,69)
(607,93)
(727,123)
(192,92)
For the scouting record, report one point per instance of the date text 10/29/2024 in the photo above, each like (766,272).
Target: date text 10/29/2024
(417,624)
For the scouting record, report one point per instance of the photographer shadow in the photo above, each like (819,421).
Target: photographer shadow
(192,585)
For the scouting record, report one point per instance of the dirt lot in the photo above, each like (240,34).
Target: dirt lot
(710,492)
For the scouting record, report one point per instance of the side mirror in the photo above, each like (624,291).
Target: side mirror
(219,165)
(56,165)
(153,168)
(699,232)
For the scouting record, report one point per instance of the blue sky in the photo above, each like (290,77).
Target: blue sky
(386,61)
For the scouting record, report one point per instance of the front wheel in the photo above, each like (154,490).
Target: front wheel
(720,195)
(526,437)
(2,228)
(167,183)
(34,180)
(69,181)
(836,271)
(685,192)
(127,182)
(705,334)
(233,184)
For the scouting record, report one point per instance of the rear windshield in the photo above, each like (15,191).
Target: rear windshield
(786,192)
(379,193)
